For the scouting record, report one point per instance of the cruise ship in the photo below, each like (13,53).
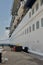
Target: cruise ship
(26,27)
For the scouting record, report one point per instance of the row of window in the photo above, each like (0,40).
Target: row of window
(37,7)
(32,28)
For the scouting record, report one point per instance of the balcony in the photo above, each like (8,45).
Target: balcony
(15,7)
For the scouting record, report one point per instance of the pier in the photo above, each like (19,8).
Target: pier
(19,58)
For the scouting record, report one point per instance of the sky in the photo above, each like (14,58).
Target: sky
(5,17)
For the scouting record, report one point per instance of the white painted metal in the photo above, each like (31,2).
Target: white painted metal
(34,39)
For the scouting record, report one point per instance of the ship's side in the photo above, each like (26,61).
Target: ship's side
(29,32)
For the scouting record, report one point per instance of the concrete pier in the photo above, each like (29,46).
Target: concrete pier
(19,58)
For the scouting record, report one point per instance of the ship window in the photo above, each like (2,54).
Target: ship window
(33,27)
(32,11)
(30,29)
(37,6)
(41,2)
(27,30)
(37,24)
(29,14)
(42,22)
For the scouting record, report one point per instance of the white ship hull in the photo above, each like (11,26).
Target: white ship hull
(34,39)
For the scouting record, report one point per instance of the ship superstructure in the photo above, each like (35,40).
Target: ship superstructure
(19,10)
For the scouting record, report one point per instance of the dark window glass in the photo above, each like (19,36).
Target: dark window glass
(27,30)
(33,27)
(37,6)
(30,29)
(42,22)
(37,24)
(29,14)
(32,11)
